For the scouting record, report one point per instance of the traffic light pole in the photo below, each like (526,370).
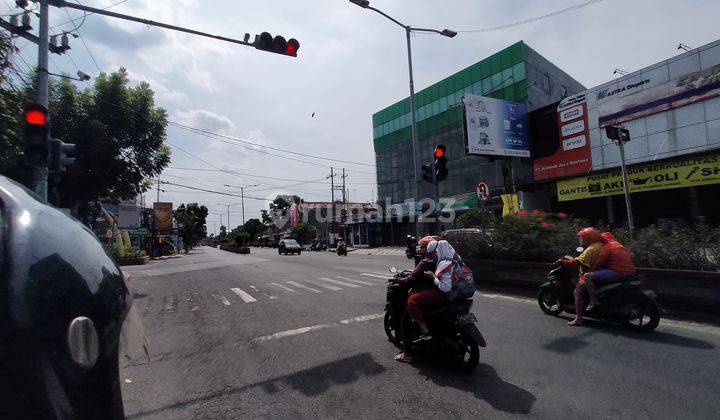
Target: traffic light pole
(40,173)
(626,188)
(414,133)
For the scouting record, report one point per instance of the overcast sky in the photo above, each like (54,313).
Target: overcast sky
(351,63)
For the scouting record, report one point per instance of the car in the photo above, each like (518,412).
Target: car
(289,246)
(63,301)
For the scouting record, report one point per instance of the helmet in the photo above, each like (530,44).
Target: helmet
(426,240)
(591,235)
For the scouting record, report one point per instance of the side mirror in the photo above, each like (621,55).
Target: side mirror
(393,270)
(579,249)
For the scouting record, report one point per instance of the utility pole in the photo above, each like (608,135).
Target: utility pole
(228,215)
(40,173)
(342,221)
(626,189)
(158,189)
(332,200)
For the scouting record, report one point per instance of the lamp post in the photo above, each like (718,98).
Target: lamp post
(242,197)
(365,4)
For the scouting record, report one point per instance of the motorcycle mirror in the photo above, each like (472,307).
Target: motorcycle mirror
(579,249)
(567,257)
(393,270)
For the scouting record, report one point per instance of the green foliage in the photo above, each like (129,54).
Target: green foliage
(223,233)
(266,219)
(192,217)
(476,218)
(254,228)
(673,245)
(303,232)
(282,203)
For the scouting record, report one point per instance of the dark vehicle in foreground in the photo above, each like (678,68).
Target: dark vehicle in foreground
(456,338)
(289,246)
(62,304)
(342,249)
(624,302)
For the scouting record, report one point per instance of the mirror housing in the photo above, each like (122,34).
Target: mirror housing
(393,270)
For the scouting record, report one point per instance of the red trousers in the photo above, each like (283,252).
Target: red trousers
(418,304)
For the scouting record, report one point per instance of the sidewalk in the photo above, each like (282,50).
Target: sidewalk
(383,250)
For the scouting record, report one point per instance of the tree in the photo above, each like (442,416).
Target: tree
(254,227)
(266,219)
(304,232)
(223,232)
(192,218)
(12,100)
(282,203)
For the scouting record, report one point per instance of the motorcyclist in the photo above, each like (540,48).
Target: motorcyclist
(591,239)
(614,263)
(420,279)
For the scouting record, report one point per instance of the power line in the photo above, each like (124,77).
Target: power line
(88,14)
(533,19)
(215,192)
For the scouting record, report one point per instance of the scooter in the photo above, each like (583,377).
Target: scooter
(455,337)
(341,250)
(624,302)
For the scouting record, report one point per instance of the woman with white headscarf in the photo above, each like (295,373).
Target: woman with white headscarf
(418,304)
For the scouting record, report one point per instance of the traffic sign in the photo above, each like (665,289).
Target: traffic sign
(483,191)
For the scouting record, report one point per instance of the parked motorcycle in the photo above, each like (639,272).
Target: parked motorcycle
(623,302)
(455,337)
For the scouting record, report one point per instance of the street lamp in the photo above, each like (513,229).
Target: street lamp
(365,4)
(228,212)
(242,197)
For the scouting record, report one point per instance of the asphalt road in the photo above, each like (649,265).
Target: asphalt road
(263,335)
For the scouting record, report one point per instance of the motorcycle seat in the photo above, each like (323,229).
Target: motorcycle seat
(450,307)
(618,284)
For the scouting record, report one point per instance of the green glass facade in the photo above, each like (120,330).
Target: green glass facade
(502,76)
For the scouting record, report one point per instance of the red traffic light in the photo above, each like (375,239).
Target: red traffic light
(278,44)
(439,151)
(35,116)
(292,47)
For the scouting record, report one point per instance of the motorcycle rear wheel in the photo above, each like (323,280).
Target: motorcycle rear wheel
(644,317)
(469,356)
(549,301)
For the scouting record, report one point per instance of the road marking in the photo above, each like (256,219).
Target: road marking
(254,288)
(363,318)
(356,281)
(375,275)
(303,330)
(221,298)
(243,295)
(296,284)
(327,286)
(341,283)
(513,298)
(170,304)
(287,289)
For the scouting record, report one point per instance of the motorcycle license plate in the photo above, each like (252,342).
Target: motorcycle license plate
(466,319)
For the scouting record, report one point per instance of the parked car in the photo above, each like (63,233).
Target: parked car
(289,246)
(63,301)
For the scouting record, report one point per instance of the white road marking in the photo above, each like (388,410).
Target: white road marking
(287,289)
(222,299)
(375,275)
(513,298)
(341,283)
(356,281)
(303,330)
(254,288)
(243,295)
(298,285)
(327,286)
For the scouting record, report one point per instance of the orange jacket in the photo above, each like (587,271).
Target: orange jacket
(615,256)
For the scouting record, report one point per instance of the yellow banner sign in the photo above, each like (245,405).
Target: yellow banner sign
(658,176)
(510,204)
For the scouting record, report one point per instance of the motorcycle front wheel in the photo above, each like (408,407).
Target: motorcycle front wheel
(549,301)
(390,330)
(468,356)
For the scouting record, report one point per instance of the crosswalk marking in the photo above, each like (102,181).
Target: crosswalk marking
(326,286)
(243,295)
(356,281)
(287,289)
(341,283)
(298,285)
(374,275)
(221,298)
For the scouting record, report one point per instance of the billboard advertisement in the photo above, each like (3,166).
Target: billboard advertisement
(572,155)
(495,127)
(660,176)
(163,216)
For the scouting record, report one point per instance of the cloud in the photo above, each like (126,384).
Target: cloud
(205,120)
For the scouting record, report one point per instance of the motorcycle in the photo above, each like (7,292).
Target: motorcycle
(624,302)
(455,337)
(341,250)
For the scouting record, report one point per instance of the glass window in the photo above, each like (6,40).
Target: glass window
(546,83)
(421,113)
(519,72)
(443,104)
(486,85)
(507,77)
(476,88)
(496,81)
(458,97)
(435,108)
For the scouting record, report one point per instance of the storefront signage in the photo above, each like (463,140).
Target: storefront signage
(459,202)
(659,176)
(495,127)
(163,216)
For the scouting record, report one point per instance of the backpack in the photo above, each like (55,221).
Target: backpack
(463,283)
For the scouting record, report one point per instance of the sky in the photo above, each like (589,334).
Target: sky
(351,63)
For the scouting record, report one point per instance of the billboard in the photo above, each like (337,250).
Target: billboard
(495,127)
(572,155)
(659,176)
(163,216)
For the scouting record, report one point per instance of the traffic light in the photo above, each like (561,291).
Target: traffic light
(427,173)
(278,45)
(58,154)
(37,134)
(617,133)
(441,171)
